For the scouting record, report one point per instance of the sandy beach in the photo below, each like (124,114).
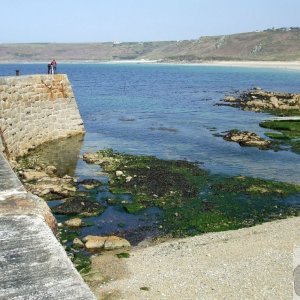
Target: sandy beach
(290,65)
(250,263)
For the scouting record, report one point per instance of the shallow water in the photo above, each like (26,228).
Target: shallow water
(169,111)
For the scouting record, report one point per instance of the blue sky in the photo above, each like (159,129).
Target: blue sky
(139,20)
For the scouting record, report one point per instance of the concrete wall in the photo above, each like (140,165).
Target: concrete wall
(36,109)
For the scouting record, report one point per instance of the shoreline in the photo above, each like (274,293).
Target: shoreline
(289,65)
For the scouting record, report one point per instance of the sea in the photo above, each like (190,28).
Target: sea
(172,112)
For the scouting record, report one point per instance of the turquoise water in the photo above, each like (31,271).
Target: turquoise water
(169,111)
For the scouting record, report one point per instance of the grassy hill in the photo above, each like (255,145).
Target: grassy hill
(269,45)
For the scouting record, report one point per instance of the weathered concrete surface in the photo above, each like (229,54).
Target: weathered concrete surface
(9,182)
(14,199)
(34,265)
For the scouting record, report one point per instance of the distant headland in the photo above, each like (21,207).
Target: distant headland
(276,45)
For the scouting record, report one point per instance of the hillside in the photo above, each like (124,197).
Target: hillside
(269,45)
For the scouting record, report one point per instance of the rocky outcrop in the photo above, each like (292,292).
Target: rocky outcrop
(42,184)
(263,101)
(247,138)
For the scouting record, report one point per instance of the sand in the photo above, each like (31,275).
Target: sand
(289,65)
(250,263)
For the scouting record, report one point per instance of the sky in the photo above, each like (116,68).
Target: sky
(59,21)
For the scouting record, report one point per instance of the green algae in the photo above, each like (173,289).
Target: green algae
(82,263)
(67,234)
(289,128)
(289,132)
(123,255)
(192,200)
(282,112)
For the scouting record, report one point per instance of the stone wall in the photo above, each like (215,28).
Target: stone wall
(36,109)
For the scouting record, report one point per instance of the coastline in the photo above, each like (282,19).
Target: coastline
(288,65)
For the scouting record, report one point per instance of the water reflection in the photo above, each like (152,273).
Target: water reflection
(62,153)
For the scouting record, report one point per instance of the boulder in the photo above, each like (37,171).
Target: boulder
(119,173)
(76,222)
(94,243)
(114,242)
(78,243)
(97,243)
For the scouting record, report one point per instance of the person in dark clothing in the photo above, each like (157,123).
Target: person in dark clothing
(54,64)
(49,68)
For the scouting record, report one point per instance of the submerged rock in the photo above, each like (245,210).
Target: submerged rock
(89,183)
(79,206)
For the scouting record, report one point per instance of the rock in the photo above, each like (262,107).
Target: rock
(89,183)
(43,188)
(119,173)
(90,158)
(50,170)
(114,242)
(97,243)
(128,178)
(247,138)
(68,178)
(274,102)
(78,243)
(34,175)
(76,222)
(230,99)
(94,243)
(79,205)
(260,100)
(96,158)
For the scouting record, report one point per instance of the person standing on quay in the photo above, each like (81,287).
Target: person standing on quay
(54,64)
